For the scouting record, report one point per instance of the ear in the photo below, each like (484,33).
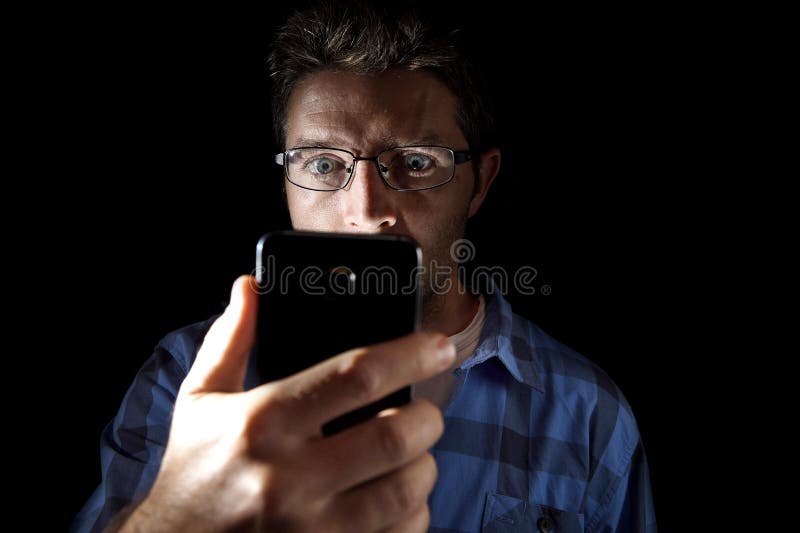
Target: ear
(488,169)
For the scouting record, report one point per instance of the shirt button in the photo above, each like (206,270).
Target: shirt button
(545,524)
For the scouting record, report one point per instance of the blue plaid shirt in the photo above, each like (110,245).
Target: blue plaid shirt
(537,438)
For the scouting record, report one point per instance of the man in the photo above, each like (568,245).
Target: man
(510,430)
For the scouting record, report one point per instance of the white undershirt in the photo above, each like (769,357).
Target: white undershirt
(467,339)
(439,390)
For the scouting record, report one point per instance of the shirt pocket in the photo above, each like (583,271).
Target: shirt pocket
(507,514)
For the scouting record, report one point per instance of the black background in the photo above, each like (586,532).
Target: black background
(164,149)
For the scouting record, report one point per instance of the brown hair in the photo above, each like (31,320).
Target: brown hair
(362,37)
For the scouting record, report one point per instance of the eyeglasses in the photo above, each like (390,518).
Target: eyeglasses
(405,168)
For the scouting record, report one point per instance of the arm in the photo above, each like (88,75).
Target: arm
(133,443)
(627,505)
(634,498)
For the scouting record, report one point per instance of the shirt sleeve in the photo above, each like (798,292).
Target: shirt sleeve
(133,443)
(628,505)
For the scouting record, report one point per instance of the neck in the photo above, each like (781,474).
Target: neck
(451,312)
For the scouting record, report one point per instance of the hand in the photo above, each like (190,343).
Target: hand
(257,459)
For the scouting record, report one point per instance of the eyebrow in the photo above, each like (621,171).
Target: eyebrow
(387,142)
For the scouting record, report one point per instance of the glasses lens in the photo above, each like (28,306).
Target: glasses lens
(417,167)
(321,169)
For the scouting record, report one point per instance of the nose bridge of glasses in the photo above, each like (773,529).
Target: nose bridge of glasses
(382,169)
(367,181)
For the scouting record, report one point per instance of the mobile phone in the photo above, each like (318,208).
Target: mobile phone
(321,294)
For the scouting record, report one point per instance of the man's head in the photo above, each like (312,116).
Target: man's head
(365,79)
(359,37)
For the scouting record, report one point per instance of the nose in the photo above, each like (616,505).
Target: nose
(368,205)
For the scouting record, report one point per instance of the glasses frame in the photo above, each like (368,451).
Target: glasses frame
(459,157)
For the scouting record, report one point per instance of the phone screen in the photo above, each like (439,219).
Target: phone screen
(324,293)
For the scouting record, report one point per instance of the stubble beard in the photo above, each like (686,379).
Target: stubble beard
(433,297)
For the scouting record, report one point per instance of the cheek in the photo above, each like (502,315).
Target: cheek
(430,217)
(309,211)
(438,205)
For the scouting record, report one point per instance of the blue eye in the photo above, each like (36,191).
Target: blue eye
(322,165)
(417,162)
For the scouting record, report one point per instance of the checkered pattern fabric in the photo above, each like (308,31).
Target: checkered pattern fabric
(537,438)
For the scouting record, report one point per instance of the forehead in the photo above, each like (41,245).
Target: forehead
(368,112)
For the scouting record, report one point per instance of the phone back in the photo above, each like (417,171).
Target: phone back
(324,293)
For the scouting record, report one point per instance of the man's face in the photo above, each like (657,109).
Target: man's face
(367,114)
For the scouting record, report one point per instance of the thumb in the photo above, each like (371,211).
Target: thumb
(221,363)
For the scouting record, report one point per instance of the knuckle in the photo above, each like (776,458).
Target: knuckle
(430,418)
(392,442)
(437,421)
(270,407)
(430,468)
(425,518)
(262,417)
(362,381)
(403,496)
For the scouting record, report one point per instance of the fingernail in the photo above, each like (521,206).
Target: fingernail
(446,351)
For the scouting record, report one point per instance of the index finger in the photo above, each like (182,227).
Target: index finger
(359,377)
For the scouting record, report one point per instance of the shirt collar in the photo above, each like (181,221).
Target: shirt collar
(500,338)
